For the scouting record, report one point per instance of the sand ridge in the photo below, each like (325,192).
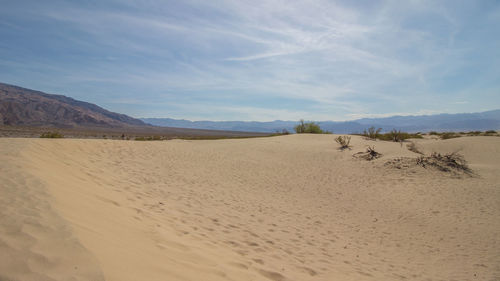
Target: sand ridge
(282,208)
(36,243)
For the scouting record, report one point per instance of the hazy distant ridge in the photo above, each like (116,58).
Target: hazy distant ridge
(488,120)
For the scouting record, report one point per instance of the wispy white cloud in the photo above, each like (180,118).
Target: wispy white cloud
(201,111)
(321,59)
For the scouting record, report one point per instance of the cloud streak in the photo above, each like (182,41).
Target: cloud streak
(320,59)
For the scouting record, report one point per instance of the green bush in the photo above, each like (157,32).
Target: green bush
(309,128)
(52,135)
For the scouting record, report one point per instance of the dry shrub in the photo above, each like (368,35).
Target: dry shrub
(451,162)
(372,133)
(413,147)
(393,135)
(343,141)
(369,154)
(398,136)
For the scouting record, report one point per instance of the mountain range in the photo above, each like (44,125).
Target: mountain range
(488,120)
(28,113)
(25,107)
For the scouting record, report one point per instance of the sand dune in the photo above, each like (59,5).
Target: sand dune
(281,208)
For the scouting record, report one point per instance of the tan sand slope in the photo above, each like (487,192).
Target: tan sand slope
(281,208)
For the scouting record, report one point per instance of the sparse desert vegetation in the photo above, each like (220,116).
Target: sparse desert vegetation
(149,138)
(474,133)
(491,133)
(398,136)
(282,132)
(393,135)
(51,135)
(309,128)
(413,148)
(369,154)
(372,133)
(451,135)
(123,133)
(449,162)
(343,141)
(452,163)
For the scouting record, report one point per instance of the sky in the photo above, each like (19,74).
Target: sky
(257,60)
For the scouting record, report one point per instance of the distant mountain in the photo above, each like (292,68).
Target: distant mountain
(488,120)
(245,126)
(20,106)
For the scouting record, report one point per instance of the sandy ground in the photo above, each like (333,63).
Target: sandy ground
(280,208)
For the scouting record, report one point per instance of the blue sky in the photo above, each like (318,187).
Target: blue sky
(257,60)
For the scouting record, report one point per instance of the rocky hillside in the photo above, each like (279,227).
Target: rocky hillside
(24,107)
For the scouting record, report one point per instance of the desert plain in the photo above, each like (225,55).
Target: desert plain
(291,207)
